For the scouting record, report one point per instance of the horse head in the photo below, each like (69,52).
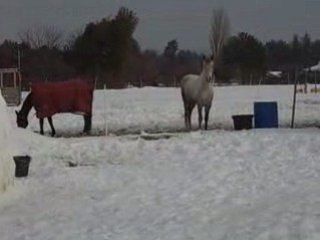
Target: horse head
(22,120)
(207,68)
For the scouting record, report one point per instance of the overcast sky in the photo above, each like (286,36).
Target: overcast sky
(163,20)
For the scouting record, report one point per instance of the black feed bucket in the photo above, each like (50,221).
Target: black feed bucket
(22,165)
(242,121)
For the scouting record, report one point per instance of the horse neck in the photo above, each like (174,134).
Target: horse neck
(27,105)
(203,78)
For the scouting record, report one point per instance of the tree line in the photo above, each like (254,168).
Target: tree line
(106,53)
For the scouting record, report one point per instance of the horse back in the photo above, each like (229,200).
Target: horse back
(74,96)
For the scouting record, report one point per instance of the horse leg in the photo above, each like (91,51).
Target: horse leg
(200,115)
(87,122)
(41,125)
(190,109)
(185,114)
(186,118)
(206,118)
(53,131)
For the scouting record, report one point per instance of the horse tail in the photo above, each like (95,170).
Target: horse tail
(183,83)
(183,94)
(182,88)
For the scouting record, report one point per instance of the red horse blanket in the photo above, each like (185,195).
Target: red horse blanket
(74,96)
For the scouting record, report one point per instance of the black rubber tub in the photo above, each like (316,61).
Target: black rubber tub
(22,165)
(243,121)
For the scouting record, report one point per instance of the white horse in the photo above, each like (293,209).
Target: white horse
(198,90)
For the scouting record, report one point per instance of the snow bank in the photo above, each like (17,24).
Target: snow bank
(6,161)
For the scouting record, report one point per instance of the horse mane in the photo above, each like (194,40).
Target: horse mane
(27,105)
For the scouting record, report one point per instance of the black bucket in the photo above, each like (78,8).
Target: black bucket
(242,121)
(22,165)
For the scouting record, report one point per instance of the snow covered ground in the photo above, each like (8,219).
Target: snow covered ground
(161,109)
(257,184)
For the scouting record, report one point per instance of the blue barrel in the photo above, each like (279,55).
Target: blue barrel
(265,115)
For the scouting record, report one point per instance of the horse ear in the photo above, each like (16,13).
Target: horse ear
(203,60)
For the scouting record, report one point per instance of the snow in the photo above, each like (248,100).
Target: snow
(315,68)
(275,73)
(219,184)
(161,109)
(6,158)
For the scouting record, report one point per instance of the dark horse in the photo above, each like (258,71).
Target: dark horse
(73,96)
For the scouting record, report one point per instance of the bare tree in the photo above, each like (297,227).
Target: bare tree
(219,31)
(72,37)
(40,36)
